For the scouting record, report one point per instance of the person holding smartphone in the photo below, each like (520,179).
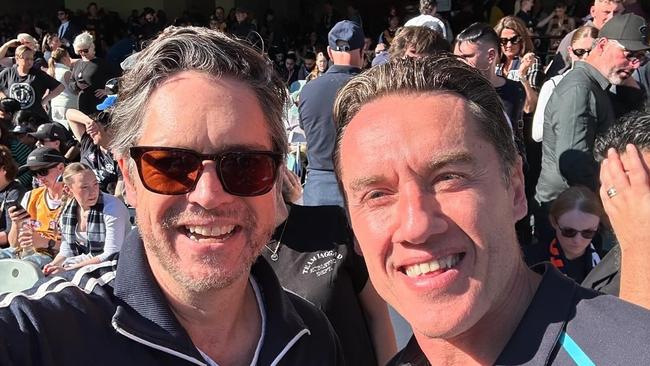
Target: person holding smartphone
(11,192)
(40,208)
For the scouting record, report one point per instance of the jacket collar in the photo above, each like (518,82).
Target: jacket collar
(343,69)
(143,310)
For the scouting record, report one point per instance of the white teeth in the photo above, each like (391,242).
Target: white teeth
(209,230)
(436,264)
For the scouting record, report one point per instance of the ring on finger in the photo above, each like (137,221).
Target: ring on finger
(611,192)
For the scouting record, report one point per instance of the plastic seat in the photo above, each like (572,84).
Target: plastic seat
(18,275)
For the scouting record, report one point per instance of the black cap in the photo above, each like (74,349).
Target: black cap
(345,36)
(51,131)
(629,30)
(43,157)
(9,105)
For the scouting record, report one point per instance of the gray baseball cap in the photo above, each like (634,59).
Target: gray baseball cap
(629,30)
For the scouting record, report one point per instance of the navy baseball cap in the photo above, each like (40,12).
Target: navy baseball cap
(42,157)
(345,36)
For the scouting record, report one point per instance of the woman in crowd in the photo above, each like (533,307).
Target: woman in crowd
(29,85)
(580,47)
(575,215)
(312,253)
(59,67)
(518,60)
(93,224)
(320,68)
(50,43)
(89,75)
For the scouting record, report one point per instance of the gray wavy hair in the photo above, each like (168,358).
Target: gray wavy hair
(200,49)
(82,41)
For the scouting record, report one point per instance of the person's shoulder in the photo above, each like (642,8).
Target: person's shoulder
(314,319)
(607,320)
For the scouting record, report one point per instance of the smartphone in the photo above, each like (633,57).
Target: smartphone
(13,203)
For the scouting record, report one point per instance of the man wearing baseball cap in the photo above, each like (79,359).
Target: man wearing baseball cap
(39,209)
(345,48)
(581,108)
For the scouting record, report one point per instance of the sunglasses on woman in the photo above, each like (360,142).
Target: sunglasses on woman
(579,52)
(512,40)
(568,232)
(174,171)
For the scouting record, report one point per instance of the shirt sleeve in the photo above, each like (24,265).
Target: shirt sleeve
(50,82)
(538,118)
(576,133)
(116,222)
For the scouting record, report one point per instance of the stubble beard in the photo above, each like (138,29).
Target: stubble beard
(161,247)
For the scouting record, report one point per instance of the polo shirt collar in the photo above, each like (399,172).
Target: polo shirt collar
(593,73)
(143,310)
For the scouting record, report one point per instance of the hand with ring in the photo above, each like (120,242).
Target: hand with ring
(625,192)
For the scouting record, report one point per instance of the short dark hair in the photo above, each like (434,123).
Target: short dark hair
(442,72)
(631,128)
(309,55)
(424,40)
(479,33)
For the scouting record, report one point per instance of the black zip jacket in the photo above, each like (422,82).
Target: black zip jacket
(110,314)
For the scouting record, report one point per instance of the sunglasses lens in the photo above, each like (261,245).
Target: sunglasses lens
(168,171)
(588,234)
(247,173)
(568,232)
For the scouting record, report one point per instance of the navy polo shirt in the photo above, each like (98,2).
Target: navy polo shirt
(566,324)
(316,103)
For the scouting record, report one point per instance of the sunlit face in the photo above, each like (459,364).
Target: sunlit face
(205,239)
(25,61)
(50,179)
(55,144)
(581,44)
(574,247)
(476,55)
(321,62)
(619,68)
(423,189)
(603,11)
(84,188)
(511,50)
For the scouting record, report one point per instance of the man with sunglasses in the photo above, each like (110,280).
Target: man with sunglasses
(581,108)
(35,221)
(200,139)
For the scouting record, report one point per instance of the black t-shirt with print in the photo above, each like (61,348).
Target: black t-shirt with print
(28,89)
(101,162)
(317,261)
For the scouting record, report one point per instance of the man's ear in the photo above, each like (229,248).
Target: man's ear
(519,203)
(492,55)
(129,185)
